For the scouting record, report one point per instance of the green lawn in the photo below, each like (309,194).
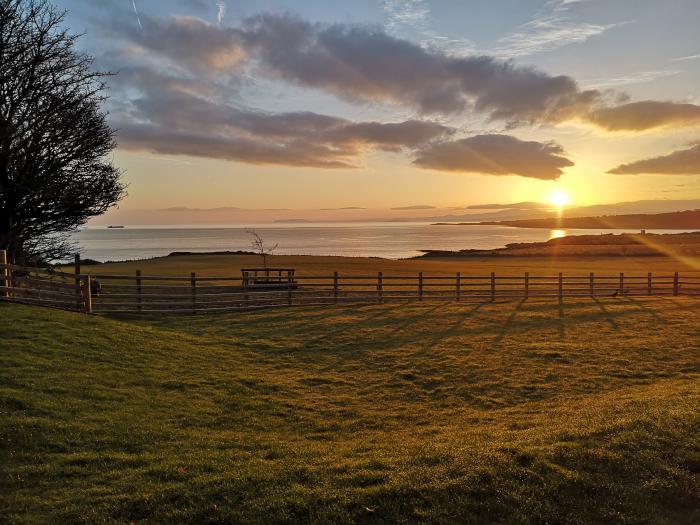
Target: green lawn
(516,412)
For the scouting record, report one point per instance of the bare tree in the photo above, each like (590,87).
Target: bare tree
(260,247)
(54,138)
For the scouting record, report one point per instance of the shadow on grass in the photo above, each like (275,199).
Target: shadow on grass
(507,326)
(453,329)
(609,318)
(644,308)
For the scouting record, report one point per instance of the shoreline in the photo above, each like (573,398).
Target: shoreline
(608,245)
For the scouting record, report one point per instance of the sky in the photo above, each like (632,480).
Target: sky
(242,110)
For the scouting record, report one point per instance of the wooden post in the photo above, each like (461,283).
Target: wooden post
(246,280)
(138,289)
(88,294)
(420,286)
(561,286)
(379,287)
(458,287)
(622,283)
(527,285)
(675,283)
(78,284)
(335,287)
(193,286)
(289,287)
(5,273)
(493,286)
(649,283)
(591,284)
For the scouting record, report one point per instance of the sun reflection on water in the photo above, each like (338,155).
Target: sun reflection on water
(557,234)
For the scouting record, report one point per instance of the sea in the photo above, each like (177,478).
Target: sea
(390,240)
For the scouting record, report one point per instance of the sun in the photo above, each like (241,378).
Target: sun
(559,198)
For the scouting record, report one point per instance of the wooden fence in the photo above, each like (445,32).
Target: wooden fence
(193,294)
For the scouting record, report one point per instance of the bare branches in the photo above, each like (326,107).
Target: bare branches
(54,137)
(260,247)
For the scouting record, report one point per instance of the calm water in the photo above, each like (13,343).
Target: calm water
(388,240)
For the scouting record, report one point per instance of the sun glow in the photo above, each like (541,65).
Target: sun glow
(557,234)
(559,198)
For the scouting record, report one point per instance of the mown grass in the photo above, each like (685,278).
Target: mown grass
(230,265)
(520,412)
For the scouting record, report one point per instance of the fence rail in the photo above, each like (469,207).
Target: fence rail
(193,294)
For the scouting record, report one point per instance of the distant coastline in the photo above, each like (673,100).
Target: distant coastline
(682,220)
(604,245)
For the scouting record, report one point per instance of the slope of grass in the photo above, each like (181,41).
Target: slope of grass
(521,412)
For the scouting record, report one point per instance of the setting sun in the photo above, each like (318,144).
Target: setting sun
(559,198)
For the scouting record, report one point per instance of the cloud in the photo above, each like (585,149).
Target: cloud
(168,118)
(415,207)
(178,79)
(551,29)
(221,11)
(344,208)
(496,155)
(511,206)
(634,78)
(184,208)
(368,65)
(681,162)
(644,115)
(416,16)
(689,57)
(187,41)
(365,64)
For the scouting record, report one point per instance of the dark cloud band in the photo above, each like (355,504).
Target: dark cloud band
(682,162)
(496,155)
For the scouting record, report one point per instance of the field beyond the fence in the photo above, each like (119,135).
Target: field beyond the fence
(221,283)
(530,411)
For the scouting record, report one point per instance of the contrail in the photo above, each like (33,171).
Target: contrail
(136,11)
(222,10)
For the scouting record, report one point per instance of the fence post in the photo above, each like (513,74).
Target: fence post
(5,273)
(138,289)
(591,284)
(289,287)
(335,287)
(675,283)
(245,290)
(649,283)
(420,286)
(78,284)
(493,286)
(561,286)
(379,287)
(458,287)
(527,285)
(193,286)
(88,294)
(622,283)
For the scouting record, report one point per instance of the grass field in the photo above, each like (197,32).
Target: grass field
(230,265)
(518,412)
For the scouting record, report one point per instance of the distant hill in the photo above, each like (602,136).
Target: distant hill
(680,220)
(604,245)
